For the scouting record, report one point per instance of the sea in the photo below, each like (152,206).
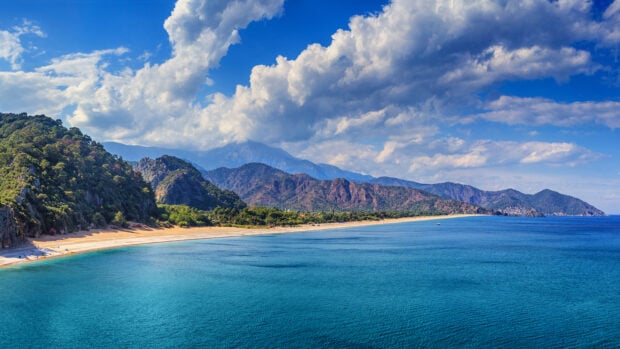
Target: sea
(475,282)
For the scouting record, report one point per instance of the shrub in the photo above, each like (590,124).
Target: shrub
(119,220)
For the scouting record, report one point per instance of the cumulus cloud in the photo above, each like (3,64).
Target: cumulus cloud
(413,53)
(154,104)
(542,111)
(378,93)
(416,60)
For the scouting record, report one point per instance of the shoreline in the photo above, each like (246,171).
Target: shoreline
(56,246)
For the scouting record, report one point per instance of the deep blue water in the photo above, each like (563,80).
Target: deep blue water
(470,282)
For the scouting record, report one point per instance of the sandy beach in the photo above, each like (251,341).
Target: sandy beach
(48,246)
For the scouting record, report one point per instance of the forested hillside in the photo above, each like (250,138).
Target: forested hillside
(57,180)
(177,182)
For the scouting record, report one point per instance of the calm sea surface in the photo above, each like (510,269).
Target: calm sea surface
(470,282)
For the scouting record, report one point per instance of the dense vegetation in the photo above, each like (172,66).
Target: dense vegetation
(177,182)
(183,216)
(57,180)
(260,216)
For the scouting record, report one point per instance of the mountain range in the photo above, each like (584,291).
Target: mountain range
(262,185)
(508,201)
(234,155)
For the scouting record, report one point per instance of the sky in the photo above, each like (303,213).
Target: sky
(499,94)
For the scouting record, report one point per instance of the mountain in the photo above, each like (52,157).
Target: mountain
(237,154)
(177,182)
(57,180)
(233,155)
(508,201)
(262,185)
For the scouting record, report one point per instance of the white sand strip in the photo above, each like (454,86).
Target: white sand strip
(86,241)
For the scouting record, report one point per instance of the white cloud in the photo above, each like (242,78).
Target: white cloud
(498,63)
(542,111)
(552,152)
(453,153)
(389,122)
(11,47)
(388,150)
(389,77)
(612,11)
(154,104)
(349,155)
(412,55)
(45,95)
(610,28)
(68,80)
(431,160)
(441,161)
(374,100)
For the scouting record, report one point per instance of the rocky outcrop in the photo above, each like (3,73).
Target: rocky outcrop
(9,232)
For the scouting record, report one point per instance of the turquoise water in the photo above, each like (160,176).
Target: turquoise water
(470,282)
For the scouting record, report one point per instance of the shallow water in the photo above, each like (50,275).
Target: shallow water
(468,282)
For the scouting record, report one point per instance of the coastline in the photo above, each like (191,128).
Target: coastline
(46,247)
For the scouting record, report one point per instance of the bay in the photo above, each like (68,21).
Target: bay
(470,282)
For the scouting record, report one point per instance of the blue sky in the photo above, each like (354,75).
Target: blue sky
(496,94)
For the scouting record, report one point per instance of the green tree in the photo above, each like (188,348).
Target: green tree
(119,219)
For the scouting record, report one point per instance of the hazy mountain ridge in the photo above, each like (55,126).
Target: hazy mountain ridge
(508,201)
(177,182)
(262,185)
(237,154)
(234,155)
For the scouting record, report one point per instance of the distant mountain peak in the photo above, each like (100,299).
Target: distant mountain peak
(234,155)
